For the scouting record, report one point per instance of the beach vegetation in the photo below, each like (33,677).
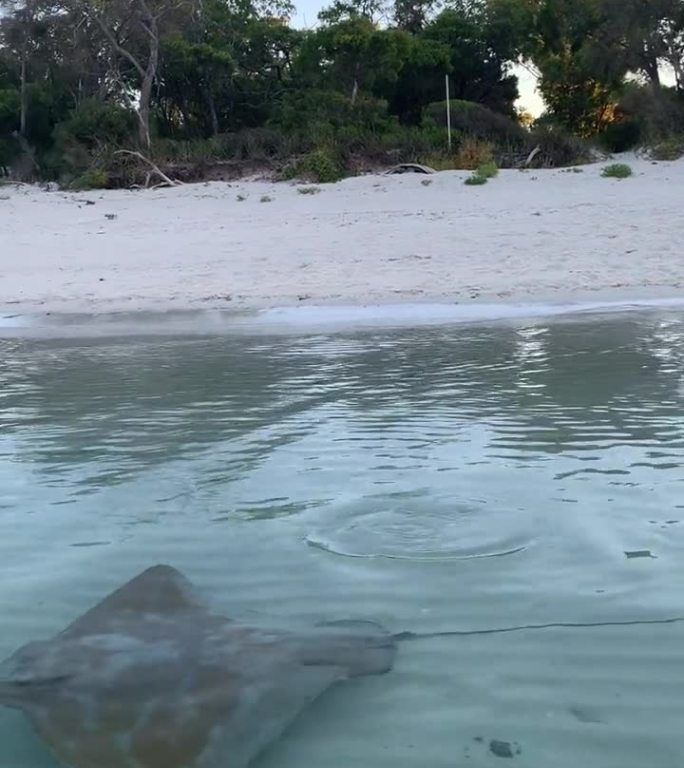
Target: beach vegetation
(482,174)
(669,150)
(476,180)
(137,92)
(473,153)
(617,171)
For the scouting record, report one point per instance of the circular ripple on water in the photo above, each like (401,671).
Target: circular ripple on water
(423,528)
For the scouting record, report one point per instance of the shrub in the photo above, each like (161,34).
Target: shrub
(93,178)
(85,141)
(670,149)
(308,190)
(94,123)
(475,180)
(320,165)
(658,112)
(473,153)
(616,171)
(266,199)
(484,172)
(488,170)
(479,122)
(621,136)
(557,148)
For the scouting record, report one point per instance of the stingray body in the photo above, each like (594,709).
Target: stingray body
(150,678)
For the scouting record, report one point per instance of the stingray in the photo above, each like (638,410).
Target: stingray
(152,678)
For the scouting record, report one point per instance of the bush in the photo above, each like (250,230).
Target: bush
(476,180)
(321,166)
(477,121)
(9,122)
(616,171)
(85,141)
(621,136)
(658,112)
(94,178)
(670,149)
(488,170)
(482,175)
(557,148)
(473,153)
(94,123)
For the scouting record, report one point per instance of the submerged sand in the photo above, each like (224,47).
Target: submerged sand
(533,236)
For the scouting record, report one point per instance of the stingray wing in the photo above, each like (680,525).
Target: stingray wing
(158,591)
(197,710)
(148,678)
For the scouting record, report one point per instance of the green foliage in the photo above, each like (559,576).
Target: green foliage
(9,122)
(621,136)
(322,166)
(616,171)
(488,170)
(473,153)
(308,190)
(480,122)
(659,112)
(558,148)
(668,150)
(478,56)
(84,143)
(236,85)
(94,123)
(93,178)
(483,173)
(476,180)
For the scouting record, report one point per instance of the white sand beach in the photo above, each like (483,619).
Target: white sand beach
(533,236)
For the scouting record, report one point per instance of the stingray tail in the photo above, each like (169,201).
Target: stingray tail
(362,647)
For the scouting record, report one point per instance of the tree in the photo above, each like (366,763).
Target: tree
(478,58)
(579,71)
(346,10)
(413,15)
(133,30)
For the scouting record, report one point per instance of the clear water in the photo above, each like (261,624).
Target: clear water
(464,477)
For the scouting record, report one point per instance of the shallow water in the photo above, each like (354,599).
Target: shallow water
(463,477)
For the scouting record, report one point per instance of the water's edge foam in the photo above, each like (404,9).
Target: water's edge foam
(304,319)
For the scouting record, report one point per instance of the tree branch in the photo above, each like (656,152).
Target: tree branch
(117,46)
(166,179)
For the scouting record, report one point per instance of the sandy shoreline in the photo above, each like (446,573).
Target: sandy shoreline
(539,236)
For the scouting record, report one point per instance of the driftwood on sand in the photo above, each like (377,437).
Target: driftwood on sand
(166,180)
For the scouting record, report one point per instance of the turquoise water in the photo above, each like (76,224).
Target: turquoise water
(462,477)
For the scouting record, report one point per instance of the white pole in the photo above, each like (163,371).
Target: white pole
(448,110)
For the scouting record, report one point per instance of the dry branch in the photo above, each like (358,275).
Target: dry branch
(155,169)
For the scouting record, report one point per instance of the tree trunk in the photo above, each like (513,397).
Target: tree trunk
(650,67)
(355,89)
(24,98)
(144,110)
(147,83)
(212,110)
